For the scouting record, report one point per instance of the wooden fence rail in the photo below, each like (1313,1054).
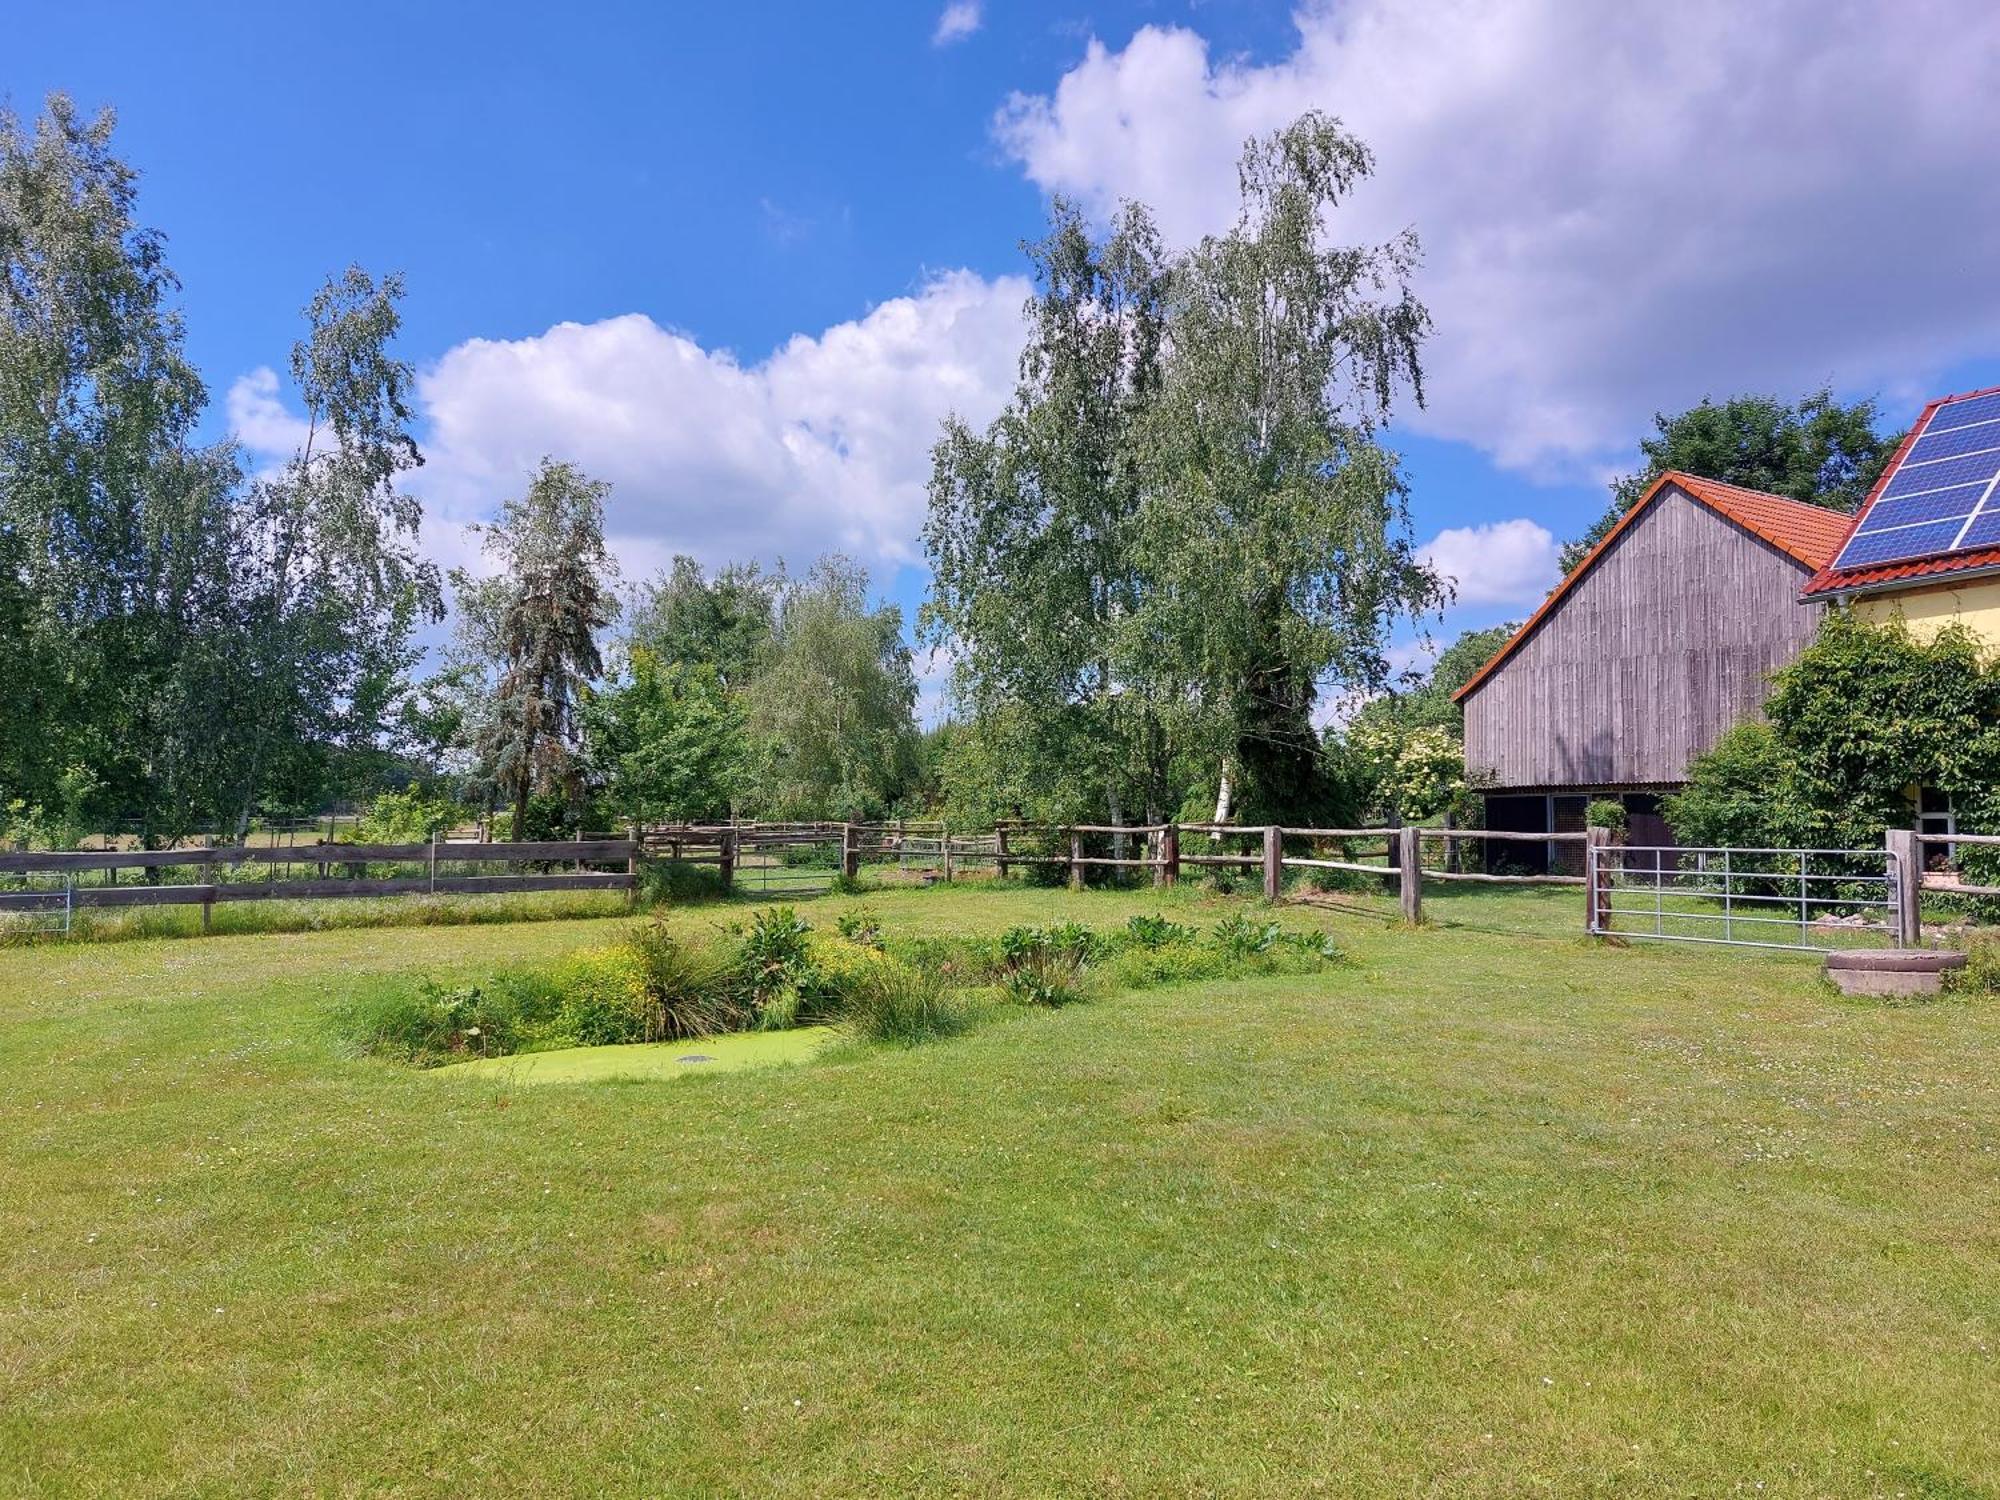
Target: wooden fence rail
(1157,850)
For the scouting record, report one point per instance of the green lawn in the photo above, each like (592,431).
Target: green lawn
(1482,1214)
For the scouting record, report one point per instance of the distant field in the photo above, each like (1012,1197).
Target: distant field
(1481,1214)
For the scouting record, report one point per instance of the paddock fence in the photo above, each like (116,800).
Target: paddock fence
(208,876)
(1800,899)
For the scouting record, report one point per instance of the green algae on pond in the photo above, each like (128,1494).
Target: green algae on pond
(649,1060)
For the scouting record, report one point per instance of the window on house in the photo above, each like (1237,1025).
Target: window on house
(1936,819)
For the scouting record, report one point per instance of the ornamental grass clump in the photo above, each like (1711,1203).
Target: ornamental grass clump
(694,989)
(903,1006)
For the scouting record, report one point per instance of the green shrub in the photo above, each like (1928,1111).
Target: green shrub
(836,968)
(904,1006)
(1045,978)
(664,882)
(1981,974)
(605,998)
(1343,882)
(1240,938)
(1171,963)
(1064,938)
(861,926)
(1044,965)
(405,818)
(958,960)
(1604,813)
(1157,932)
(774,955)
(435,1024)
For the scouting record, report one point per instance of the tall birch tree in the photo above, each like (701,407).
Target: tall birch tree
(1274,535)
(1030,531)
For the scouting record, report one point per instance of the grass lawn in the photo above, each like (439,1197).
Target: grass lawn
(1483,1214)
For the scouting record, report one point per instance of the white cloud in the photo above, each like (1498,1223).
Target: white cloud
(1502,562)
(1623,207)
(260,420)
(960,19)
(823,445)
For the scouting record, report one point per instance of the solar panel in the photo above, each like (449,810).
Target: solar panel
(1940,496)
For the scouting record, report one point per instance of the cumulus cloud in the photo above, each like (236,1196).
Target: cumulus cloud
(824,445)
(1502,562)
(260,420)
(959,20)
(1623,207)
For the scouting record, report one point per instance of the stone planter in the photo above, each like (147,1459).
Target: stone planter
(1892,971)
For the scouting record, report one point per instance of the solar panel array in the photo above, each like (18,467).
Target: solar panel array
(1941,496)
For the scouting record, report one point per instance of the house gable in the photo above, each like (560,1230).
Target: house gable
(1660,641)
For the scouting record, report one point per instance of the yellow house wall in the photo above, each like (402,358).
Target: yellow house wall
(1975,604)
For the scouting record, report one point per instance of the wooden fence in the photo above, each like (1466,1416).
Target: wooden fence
(1162,851)
(223,874)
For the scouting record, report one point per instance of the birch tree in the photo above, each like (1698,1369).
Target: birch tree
(831,706)
(1274,535)
(1030,530)
(336,583)
(118,558)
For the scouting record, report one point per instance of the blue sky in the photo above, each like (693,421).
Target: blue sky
(783,235)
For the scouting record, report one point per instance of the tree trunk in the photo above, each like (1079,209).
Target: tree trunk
(1224,800)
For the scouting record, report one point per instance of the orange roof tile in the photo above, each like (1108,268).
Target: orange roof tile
(1811,535)
(1830,580)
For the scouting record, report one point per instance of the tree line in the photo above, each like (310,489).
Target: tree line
(1166,576)
(195,641)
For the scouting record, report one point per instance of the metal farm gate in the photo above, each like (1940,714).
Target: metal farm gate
(1805,900)
(38,904)
(797,859)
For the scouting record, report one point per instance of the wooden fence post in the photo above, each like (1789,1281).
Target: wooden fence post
(1906,870)
(1075,860)
(1597,886)
(434,862)
(1000,849)
(850,852)
(1168,871)
(725,851)
(631,864)
(207,896)
(1274,862)
(1410,871)
(944,844)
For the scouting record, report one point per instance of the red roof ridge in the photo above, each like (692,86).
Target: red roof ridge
(1811,535)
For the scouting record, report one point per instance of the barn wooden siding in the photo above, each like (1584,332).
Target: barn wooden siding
(1667,642)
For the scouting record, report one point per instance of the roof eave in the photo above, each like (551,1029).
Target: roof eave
(1898,585)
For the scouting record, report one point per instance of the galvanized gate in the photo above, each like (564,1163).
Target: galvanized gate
(38,905)
(787,859)
(1805,900)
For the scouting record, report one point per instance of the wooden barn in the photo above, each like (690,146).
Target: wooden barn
(1661,639)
